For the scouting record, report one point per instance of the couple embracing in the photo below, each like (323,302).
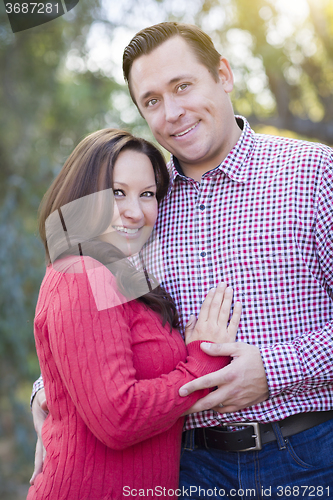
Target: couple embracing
(238,218)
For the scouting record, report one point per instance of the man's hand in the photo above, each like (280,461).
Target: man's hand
(39,413)
(241,384)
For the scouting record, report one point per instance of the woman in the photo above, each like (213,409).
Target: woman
(111,358)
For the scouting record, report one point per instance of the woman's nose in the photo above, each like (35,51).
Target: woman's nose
(132,210)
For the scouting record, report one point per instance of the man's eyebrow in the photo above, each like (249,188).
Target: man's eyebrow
(170,82)
(181,77)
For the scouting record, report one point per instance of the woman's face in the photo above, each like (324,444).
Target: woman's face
(135,206)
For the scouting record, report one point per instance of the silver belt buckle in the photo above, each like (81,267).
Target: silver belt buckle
(256,433)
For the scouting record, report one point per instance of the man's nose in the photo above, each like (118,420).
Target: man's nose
(173,109)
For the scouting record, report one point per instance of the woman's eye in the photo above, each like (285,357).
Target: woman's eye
(148,194)
(118,192)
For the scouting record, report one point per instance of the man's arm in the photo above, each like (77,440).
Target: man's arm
(299,366)
(38,384)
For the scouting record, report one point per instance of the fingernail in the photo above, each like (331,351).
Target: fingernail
(190,319)
(207,345)
(183,392)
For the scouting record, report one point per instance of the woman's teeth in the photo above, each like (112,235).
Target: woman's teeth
(126,229)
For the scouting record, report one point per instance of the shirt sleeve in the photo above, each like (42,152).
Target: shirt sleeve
(37,386)
(93,354)
(306,363)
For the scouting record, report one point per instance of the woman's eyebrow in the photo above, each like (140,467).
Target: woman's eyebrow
(124,184)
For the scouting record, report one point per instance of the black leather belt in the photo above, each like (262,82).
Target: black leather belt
(254,435)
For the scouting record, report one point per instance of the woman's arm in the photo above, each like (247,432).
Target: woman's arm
(93,353)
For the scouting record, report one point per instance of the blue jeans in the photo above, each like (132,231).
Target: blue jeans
(299,467)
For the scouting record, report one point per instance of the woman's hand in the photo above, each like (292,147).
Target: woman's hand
(212,324)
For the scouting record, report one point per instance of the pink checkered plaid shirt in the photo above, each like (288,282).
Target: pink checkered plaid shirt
(262,222)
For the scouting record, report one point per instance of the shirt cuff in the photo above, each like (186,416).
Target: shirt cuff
(283,370)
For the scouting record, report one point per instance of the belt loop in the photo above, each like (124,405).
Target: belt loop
(278,434)
(189,440)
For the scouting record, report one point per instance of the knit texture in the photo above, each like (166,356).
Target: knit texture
(111,381)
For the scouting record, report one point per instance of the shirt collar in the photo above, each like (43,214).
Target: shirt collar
(235,165)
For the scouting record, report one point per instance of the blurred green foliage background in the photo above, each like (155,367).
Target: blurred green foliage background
(62,80)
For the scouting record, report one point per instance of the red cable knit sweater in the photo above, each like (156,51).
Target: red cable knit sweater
(111,379)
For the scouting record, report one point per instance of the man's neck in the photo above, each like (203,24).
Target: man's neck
(193,172)
(197,171)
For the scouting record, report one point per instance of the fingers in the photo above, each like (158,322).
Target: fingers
(234,321)
(226,349)
(39,459)
(205,308)
(225,408)
(240,384)
(214,301)
(212,324)
(207,381)
(206,403)
(189,328)
(224,312)
(216,304)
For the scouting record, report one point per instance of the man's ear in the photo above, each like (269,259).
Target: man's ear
(225,74)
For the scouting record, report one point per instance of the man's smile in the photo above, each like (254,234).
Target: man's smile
(183,132)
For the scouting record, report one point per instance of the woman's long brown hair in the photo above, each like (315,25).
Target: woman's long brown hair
(88,170)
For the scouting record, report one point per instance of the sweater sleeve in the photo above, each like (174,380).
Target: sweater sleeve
(93,354)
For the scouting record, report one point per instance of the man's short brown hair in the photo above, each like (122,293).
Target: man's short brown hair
(148,39)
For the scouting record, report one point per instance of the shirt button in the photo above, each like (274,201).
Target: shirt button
(202,207)
(203,254)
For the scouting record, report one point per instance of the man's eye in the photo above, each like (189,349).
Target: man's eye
(183,86)
(152,102)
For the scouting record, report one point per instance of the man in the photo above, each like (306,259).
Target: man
(255,211)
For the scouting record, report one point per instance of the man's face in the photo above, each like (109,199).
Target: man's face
(187,110)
